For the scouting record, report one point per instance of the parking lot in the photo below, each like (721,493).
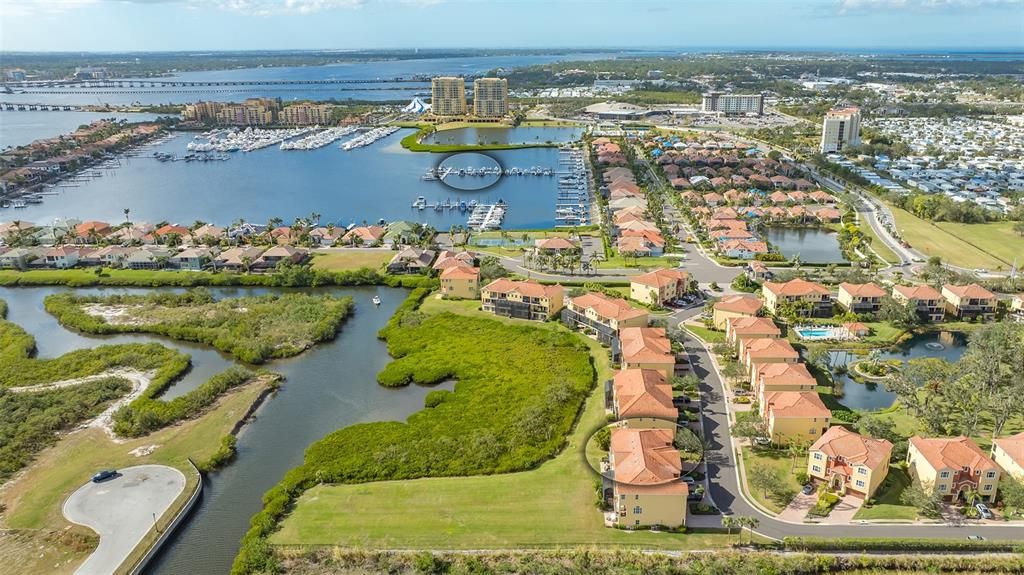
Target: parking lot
(121,510)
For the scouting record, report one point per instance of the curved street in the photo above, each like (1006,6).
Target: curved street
(724,482)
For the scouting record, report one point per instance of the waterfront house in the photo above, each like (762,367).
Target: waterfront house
(647,469)
(402,232)
(756,352)
(193,259)
(1008,453)
(147,258)
(809,299)
(736,306)
(623,203)
(602,317)
(461,281)
(269,259)
(772,377)
(848,462)
(742,249)
(928,302)
(1017,308)
(411,261)
(522,299)
(20,258)
(209,234)
(447,259)
(112,256)
(952,466)
(741,328)
(647,348)
(659,286)
(724,235)
(969,301)
(238,259)
(61,257)
(326,236)
(861,298)
(642,398)
(91,232)
(245,230)
(794,416)
(135,233)
(364,236)
(827,215)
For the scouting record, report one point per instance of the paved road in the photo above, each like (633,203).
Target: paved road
(724,480)
(122,511)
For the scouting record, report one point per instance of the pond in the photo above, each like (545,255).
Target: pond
(525,135)
(814,245)
(326,388)
(946,345)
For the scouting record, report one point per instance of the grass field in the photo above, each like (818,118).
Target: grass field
(953,247)
(995,238)
(341,260)
(877,245)
(34,499)
(774,459)
(551,506)
(888,496)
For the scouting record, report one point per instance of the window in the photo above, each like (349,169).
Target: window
(813,431)
(816,468)
(862,471)
(860,483)
(943,487)
(817,455)
(638,510)
(987,487)
(990,474)
(944,474)
(637,523)
(637,496)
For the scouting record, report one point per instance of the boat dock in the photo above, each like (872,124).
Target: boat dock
(448,171)
(487,217)
(573,203)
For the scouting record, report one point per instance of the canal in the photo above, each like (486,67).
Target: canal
(326,388)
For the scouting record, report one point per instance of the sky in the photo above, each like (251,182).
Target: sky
(157,25)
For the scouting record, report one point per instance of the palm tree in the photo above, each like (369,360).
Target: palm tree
(315,218)
(750,523)
(246,263)
(126,212)
(729,523)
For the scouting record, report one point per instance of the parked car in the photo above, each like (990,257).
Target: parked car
(983,511)
(762,441)
(689,480)
(104,475)
(807,489)
(975,538)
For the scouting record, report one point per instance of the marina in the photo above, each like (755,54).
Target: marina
(248,140)
(368,138)
(573,200)
(319,139)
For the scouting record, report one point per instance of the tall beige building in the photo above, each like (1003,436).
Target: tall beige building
(448,96)
(840,130)
(306,114)
(490,97)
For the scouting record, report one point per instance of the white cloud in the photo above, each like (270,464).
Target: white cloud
(252,7)
(846,6)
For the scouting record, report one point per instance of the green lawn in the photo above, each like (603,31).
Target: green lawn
(778,460)
(551,506)
(619,262)
(878,245)
(995,238)
(708,335)
(888,504)
(342,260)
(953,248)
(882,333)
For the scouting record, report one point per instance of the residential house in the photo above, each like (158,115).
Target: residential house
(602,317)
(772,377)
(742,249)
(743,328)
(402,232)
(447,259)
(734,306)
(269,259)
(238,259)
(647,348)
(759,272)
(1008,453)
(148,258)
(848,462)
(112,256)
(91,232)
(647,471)
(969,301)
(952,466)
(659,286)
(20,258)
(642,398)
(756,352)
(794,416)
(364,236)
(61,257)
(861,298)
(635,246)
(209,234)
(193,259)
(555,246)
(326,236)
(522,299)
(809,299)
(461,281)
(1017,308)
(928,302)
(163,232)
(411,261)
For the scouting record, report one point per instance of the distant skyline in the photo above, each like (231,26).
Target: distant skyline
(166,25)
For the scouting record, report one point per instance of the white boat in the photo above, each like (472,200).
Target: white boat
(376,300)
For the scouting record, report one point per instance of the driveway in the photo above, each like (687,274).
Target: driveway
(844,511)
(797,509)
(121,511)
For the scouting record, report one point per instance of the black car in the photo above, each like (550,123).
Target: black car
(104,475)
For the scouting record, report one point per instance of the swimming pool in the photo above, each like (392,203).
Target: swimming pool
(822,332)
